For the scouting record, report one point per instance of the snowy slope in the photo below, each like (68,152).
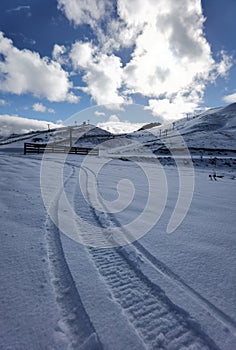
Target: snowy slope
(214,129)
(83,135)
(161,292)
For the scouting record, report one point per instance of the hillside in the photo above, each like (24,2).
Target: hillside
(82,135)
(105,253)
(213,130)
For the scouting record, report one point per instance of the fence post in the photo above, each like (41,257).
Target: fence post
(24,148)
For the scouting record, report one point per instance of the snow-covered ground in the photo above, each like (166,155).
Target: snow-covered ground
(74,288)
(214,130)
(163,291)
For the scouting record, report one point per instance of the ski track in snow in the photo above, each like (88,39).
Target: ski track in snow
(225,319)
(206,304)
(158,322)
(75,321)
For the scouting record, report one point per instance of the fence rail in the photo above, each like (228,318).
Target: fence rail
(50,148)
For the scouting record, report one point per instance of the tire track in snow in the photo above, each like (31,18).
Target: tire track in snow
(158,322)
(206,304)
(76,323)
(164,270)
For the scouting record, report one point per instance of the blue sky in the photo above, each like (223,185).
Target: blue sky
(60,57)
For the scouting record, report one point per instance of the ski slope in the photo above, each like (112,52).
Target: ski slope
(214,129)
(161,292)
(74,284)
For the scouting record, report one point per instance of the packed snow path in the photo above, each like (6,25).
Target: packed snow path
(141,290)
(159,323)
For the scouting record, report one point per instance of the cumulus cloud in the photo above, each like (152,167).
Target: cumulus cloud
(39,107)
(115,126)
(58,53)
(85,11)
(13,124)
(24,71)
(170,60)
(103,73)
(82,54)
(167,109)
(230,98)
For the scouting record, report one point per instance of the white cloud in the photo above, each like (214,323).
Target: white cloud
(168,109)
(103,73)
(113,118)
(58,53)
(39,107)
(85,11)
(224,65)
(112,33)
(171,61)
(51,110)
(19,8)
(24,71)
(24,8)
(3,102)
(82,54)
(59,122)
(99,114)
(10,124)
(117,35)
(230,98)
(115,126)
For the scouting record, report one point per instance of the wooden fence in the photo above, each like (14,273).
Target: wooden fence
(51,148)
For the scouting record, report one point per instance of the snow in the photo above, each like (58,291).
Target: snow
(214,129)
(118,127)
(29,313)
(162,291)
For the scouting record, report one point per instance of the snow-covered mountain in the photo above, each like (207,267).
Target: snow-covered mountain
(82,135)
(213,130)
